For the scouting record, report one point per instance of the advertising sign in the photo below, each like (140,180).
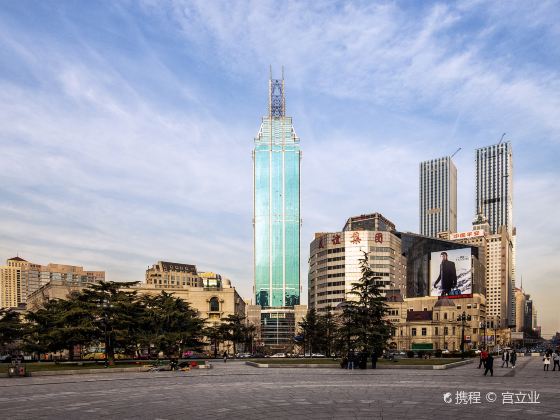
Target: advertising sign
(451,273)
(464,235)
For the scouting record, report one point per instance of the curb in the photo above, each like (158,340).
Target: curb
(379,366)
(81,371)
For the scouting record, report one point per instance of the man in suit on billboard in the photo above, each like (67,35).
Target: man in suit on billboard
(447,275)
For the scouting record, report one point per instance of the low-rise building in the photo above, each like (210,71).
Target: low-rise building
(431,323)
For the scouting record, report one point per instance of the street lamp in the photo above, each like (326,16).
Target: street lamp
(483,327)
(463,318)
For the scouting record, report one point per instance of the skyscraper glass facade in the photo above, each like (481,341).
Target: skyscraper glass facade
(276,176)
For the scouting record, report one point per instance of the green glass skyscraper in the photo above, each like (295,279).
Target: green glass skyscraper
(276,177)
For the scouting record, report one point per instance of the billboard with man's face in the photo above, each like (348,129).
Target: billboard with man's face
(451,273)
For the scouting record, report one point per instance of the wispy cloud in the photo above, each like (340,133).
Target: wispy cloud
(126,130)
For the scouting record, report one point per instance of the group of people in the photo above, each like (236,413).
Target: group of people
(487,360)
(551,356)
(359,360)
(510,357)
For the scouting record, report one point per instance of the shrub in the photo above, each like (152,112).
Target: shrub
(410,354)
(438,353)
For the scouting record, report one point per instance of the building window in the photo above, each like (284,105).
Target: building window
(445,331)
(424,331)
(214,304)
(445,315)
(414,332)
(436,331)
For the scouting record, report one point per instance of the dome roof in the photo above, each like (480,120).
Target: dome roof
(444,302)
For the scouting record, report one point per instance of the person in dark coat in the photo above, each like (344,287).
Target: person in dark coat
(447,275)
(513,359)
(505,358)
(489,365)
(374,359)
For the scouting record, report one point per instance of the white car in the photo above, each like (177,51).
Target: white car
(279,355)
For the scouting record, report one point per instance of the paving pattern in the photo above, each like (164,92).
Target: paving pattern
(233,390)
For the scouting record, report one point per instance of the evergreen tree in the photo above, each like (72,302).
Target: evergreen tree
(363,325)
(12,331)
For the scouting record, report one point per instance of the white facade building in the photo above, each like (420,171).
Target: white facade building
(438,196)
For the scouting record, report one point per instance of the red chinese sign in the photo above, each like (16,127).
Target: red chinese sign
(379,237)
(336,239)
(321,245)
(356,238)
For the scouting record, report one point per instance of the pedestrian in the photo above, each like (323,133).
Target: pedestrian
(351,360)
(483,357)
(556,360)
(513,359)
(374,359)
(546,362)
(489,365)
(505,358)
(225,356)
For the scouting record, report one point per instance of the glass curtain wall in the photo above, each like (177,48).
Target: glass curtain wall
(277,213)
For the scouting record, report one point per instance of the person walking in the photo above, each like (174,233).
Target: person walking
(351,360)
(489,365)
(513,359)
(225,356)
(546,362)
(374,359)
(556,360)
(483,357)
(505,358)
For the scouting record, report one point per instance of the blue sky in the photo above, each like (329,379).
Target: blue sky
(127,127)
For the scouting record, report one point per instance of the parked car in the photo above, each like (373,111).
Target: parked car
(243,355)
(279,355)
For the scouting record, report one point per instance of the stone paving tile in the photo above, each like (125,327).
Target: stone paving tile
(238,391)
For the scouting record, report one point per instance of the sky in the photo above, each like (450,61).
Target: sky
(126,127)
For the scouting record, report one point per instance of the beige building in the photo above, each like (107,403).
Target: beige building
(334,262)
(166,274)
(500,285)
(429,323)
(20,278)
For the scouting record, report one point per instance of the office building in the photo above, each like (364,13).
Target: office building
(276,200)
(498,251)
(494,185)
(438,196)
(335,260)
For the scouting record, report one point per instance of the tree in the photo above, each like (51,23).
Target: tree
(233,328)
(12,331)
(116,314)
(61,325)
(171,324)
(363,325)
(313,333)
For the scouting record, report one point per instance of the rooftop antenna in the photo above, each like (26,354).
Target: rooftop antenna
(456,151)
(503,135)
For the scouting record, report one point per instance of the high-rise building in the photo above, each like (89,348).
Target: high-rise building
(335,260)
(20,278)
(438,196)
(276,201)
(498,251)
(494,185)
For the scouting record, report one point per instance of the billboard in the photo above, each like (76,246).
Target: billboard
(451,273)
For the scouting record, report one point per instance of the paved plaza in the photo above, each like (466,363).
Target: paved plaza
(235,390)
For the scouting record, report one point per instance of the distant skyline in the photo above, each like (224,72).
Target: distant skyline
(126,128)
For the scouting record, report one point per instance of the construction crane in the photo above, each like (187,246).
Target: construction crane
(503,135)
(456,151)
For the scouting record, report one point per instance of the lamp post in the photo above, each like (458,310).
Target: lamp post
(463,318)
